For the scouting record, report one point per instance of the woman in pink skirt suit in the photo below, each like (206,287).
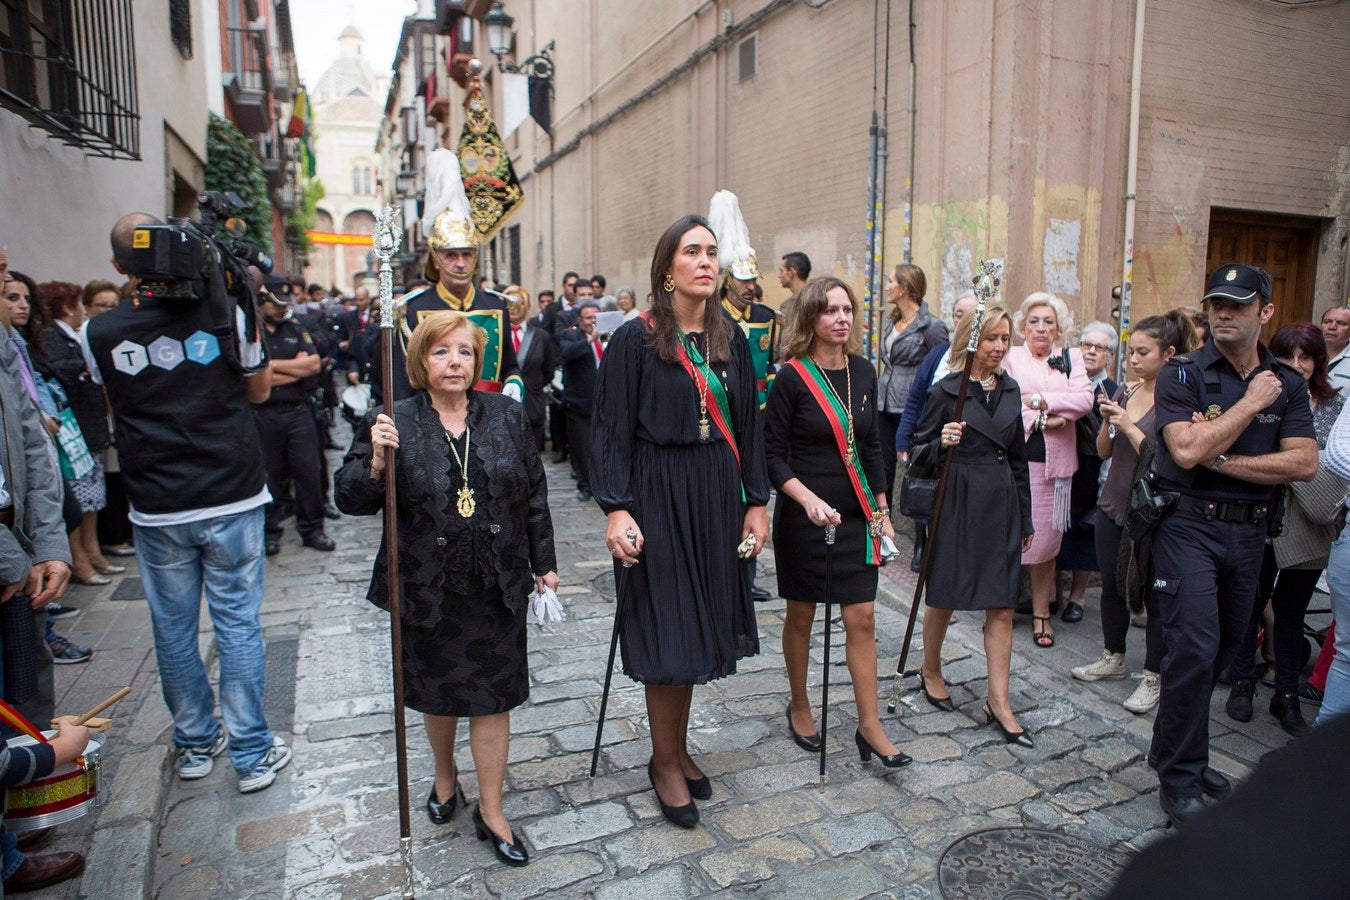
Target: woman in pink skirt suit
(1055,394)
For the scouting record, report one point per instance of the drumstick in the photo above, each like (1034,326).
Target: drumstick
(102,706)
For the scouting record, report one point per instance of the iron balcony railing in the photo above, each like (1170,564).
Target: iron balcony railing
(69,68)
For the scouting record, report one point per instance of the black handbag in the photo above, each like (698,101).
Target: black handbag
(918,489)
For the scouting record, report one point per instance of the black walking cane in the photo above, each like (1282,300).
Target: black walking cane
(825,681)
(985,284)
(386,241)
(620,581)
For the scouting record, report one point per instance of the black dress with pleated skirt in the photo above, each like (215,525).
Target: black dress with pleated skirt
(986,509)
(799,443)
(687,612)
(473,662)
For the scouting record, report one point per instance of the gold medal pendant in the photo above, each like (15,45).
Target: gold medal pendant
(464,502)
(704,432)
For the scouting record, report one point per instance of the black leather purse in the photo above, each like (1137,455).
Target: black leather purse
(918,489)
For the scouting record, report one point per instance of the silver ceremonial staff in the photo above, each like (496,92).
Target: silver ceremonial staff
(986,286)
(387,240)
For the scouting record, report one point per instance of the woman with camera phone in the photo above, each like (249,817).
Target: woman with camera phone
(985,524)
(822,441)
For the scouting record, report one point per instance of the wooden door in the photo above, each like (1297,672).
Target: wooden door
(1285,246)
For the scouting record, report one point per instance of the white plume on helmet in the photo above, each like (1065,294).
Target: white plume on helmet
(733,237)
(447,218)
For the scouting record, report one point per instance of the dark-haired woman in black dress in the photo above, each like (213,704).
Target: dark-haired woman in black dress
(678,459)
(823,446)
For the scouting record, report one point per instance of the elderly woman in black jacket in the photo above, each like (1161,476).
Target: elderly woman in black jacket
(474,540)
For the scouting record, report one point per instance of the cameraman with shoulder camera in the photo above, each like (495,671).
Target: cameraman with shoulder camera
(182,362)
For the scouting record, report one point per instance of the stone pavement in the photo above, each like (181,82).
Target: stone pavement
(329,826)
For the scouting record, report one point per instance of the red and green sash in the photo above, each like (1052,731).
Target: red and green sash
(704,378)
(837,416)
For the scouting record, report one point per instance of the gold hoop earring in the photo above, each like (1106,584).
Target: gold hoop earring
(669,284)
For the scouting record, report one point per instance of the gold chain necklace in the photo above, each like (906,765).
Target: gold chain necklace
(464,501)
(848,408)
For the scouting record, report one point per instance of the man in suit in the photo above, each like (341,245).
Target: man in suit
(581,353)
(357,325)
(537,354)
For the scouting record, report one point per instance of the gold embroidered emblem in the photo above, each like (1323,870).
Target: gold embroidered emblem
(1213,412)
(764,342)
(1232,275)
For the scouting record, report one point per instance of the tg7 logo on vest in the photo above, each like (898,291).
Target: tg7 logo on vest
(166,353)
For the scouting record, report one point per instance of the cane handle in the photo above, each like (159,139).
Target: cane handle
(829,535)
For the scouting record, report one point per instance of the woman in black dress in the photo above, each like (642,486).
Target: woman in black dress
(474,540)
(822,441)
(678,461)
(986,513)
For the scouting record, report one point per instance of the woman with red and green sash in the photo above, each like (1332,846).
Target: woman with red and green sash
(822,442)
(677,464)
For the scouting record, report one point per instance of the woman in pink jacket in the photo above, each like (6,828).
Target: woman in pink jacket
(1055,394)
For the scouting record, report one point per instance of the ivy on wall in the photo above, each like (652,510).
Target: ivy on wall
(305,215)
(232,165)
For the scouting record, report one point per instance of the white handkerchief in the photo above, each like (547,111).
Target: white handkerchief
(548,608)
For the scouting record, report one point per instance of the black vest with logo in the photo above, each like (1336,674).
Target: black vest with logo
(186,435)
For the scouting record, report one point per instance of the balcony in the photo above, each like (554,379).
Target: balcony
(248,81)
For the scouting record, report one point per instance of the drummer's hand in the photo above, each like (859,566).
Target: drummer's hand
(756,523)
(820,512)
(617,540)
(548,580)
(47,581)
(382,434)
(70,742)
(951,434)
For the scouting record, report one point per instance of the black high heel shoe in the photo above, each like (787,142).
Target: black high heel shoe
(509,852)
(1020,738)
(684,816)
(440,813)
(808,742)
(945,704)
(699,788)
(866,751)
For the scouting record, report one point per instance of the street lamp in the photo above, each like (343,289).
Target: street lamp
(500,38)
(407,183)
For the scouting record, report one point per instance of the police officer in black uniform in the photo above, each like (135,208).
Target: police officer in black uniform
(290,440)
(1233,422)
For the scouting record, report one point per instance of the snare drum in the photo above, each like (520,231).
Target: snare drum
(71,791)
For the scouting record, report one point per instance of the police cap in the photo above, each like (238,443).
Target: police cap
(1239,283)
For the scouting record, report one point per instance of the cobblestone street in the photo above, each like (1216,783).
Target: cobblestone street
(329,826)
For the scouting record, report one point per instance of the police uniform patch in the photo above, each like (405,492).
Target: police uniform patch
(1231,276)
(1213,412)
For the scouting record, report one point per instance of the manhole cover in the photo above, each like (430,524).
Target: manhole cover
(1026,863)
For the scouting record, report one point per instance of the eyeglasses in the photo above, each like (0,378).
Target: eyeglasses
(1089,345)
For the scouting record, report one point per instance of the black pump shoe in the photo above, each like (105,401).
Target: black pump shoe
(684,816)
(808,742)
(509,852)
(866,752)
(943,703)
(440,813)
(1020,738)
(699,788)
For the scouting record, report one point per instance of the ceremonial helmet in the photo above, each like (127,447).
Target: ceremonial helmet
(734,252)
(447,219)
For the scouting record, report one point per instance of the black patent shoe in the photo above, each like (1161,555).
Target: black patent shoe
(1180,810)
(1285,707)
(943,703)
(866,752)
(699,788)
(684,816)
(808,742)
(1214,784)
(760,595)
(1020,738)
(1073,612)
(441,813)
(509,852)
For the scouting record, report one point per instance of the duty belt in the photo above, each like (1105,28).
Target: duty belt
(1231,511)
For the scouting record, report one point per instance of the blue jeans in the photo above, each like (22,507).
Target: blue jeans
(225,556)
(1336,699)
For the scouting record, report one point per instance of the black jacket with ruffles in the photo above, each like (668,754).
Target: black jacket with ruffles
(515,500)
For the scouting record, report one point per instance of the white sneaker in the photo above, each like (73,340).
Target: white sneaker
(196,762)
(1145,697)
(266,769)
(1111,665)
